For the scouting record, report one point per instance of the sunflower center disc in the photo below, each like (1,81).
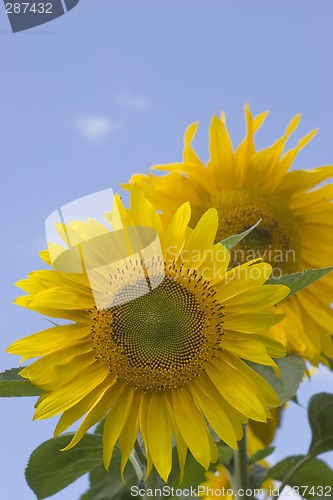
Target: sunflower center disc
(277,237)
(162,338)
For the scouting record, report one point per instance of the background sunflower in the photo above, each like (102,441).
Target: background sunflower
(246,186)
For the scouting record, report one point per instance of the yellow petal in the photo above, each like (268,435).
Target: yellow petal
(252,322)
(236,386)
(302,180)
(71,393)
(96,413)
(191,425)
(200,239)
(216,261)
(257,297)
(69,417)
(143,415)
(115,422)
(119,217)
(290,155)
(180,443)
(221,153)
(175,233)
(160,434)
(250,348)
(189,154)
(60,298)
(215,415)
(58,368)
(243,277)
(45,256)
(129,433)
(257,383)
(49,340)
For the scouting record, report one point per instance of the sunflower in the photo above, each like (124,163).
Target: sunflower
(159,335)
(296,228)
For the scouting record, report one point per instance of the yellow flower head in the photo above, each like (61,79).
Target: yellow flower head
(296,228)
(160,331)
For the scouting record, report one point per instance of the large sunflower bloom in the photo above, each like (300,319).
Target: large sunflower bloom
(296,228)
(156,346)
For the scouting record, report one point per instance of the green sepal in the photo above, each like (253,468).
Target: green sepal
(298,281)
(232,240)
(13,385)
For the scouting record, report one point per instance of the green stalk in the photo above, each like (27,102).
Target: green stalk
(140,455)
(138,466)
(240,479)
(139,463)
(292,471)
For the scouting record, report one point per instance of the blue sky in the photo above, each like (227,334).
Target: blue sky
(108,90)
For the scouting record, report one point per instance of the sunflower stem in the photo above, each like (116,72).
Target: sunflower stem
(240,477)
(290,474)
(153,485)
(138,466)
(140,454)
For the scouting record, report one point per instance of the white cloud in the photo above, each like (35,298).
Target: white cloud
(95,128)
(132,101)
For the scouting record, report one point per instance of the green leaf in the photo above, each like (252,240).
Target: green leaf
(105,485)
(232,241)
(298,281)
(314,474)
(49,470)
(261,454)
(292,369)
(12,385)
(320,414)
